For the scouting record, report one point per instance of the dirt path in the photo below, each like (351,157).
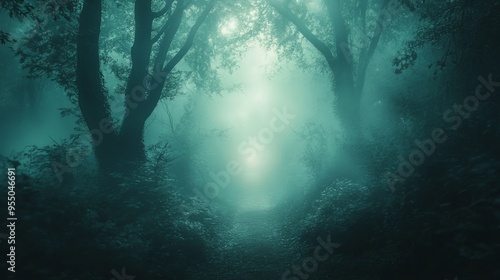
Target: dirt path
(253,249)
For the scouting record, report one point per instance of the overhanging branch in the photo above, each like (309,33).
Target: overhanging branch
(305,31)
(190,38)
(174,21)
(164,10)
(154,95)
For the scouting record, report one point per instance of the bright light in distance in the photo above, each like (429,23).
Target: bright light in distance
(253,162)
(259,97)
(315,6)
(254,14)
(258,169)
(229,27)
(243,115)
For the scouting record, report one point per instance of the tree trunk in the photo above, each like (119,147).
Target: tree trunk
(347,84)
(348,97)
(132,140)
(91,95)
(119,151)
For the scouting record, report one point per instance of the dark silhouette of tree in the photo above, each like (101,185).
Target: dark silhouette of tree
(348,68)
(164,32)
(142,91)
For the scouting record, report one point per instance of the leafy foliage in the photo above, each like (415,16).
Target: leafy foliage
(128,220)
(453,28)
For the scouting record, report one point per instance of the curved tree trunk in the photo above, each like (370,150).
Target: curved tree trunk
(91,95)
(348,84)
(123,150)
(112,148)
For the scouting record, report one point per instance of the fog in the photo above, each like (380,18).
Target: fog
(269,139)
(257,125)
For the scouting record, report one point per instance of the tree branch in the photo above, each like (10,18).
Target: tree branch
(367,54)
(164,10)
(306,32)
(190,38)
(92,100)
(174,20)
(155,95)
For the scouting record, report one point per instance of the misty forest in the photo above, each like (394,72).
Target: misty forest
(260,139)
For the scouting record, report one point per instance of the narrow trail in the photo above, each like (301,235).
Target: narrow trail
(253,248)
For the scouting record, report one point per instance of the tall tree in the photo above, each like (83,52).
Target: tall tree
(142,91)
(162,33)
(347,46)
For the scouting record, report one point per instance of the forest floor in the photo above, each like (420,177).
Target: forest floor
(253,249)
